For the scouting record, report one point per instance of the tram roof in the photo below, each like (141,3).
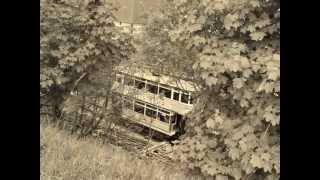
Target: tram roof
(146,73)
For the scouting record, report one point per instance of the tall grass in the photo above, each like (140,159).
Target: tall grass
(64,157)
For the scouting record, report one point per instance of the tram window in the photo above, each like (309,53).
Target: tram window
(191,100)
(139,84)
(167,118)
(138,108)
(152,88)
(165,92)
(164,116)
(128,81)
(151,113)
(176,96)
(184,98)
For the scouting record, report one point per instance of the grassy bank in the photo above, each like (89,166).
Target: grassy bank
(65,157)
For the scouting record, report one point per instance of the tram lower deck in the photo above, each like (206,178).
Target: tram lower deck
(156,118)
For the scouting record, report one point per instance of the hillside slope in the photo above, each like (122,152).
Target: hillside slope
(65,157)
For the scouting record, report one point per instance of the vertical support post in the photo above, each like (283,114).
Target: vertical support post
(170,122)
(157,111)
(158,91)
(172,91)
(145,84)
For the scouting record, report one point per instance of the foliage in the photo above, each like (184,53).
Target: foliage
(232,49)
(79,46)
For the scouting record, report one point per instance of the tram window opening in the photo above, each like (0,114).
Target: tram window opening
(138,108)
(184,98)
(151,113)
(164,117)
(176,96)
(191,100)
(165,92)
(139,84)
(152,88)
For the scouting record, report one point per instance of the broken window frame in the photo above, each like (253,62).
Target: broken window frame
(151,83)
(140,80)
(137,104)
(153,116)
(169,116)
(164,113)
(166,88)
(159,86)
(186,96)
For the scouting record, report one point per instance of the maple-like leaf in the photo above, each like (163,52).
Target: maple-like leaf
(229,21)
(210,80)
(257,36)
(234,153)
(238,83)
(210,123)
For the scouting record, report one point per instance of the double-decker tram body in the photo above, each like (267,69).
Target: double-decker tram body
(158,102)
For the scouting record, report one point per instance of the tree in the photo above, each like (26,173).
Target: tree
(79,46)
(232,50)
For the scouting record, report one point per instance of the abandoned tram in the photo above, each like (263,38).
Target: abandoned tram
(155,101)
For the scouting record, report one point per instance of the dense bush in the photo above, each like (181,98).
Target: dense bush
(79,44)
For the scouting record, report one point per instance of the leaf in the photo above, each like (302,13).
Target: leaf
(244,103)
(210,123)
(234,153)
(256,161)
(244,62)
(233,66)
(257,36)
(210,80)
(229,21)
(272,118)
(205,62)
(238,83)
(212,143)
